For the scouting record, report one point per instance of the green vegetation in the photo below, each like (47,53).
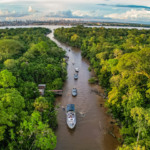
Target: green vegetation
(10,48)
(121,60)
(28,58)
(93,80)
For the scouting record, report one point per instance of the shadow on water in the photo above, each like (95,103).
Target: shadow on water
(71,131)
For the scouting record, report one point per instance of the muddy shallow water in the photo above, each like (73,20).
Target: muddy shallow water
(94,126)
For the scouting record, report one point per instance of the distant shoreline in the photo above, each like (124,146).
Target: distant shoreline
(71,23)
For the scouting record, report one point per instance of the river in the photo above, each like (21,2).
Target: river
(94,126)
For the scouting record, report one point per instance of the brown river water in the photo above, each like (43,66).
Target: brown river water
(94,129)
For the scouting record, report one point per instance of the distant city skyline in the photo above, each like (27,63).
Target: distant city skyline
(135,11)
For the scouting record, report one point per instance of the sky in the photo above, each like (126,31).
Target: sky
(127,11)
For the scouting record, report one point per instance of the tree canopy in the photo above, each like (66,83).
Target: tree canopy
(28,58)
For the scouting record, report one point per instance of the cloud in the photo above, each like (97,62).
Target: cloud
(108,10)
(133,6)
(30,9)
(132,14)
(60,14)
(79,13)
(6,13)
(75,14)
(24,18)
(125,6)
(6,1)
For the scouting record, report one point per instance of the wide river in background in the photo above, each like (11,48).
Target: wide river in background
(95,129)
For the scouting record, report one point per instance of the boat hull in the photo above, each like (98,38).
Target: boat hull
(74,92)
(77,69)
(75,76)
(71,119)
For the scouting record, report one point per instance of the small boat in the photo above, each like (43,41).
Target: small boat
(77,69)
(76,76)
(74,92)
(70,116)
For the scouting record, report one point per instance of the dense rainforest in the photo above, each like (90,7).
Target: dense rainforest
(28,58)
(121,61)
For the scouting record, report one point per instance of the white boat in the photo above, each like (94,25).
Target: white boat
(77,69)
(71,116)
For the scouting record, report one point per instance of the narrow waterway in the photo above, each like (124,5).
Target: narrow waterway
(93,127)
